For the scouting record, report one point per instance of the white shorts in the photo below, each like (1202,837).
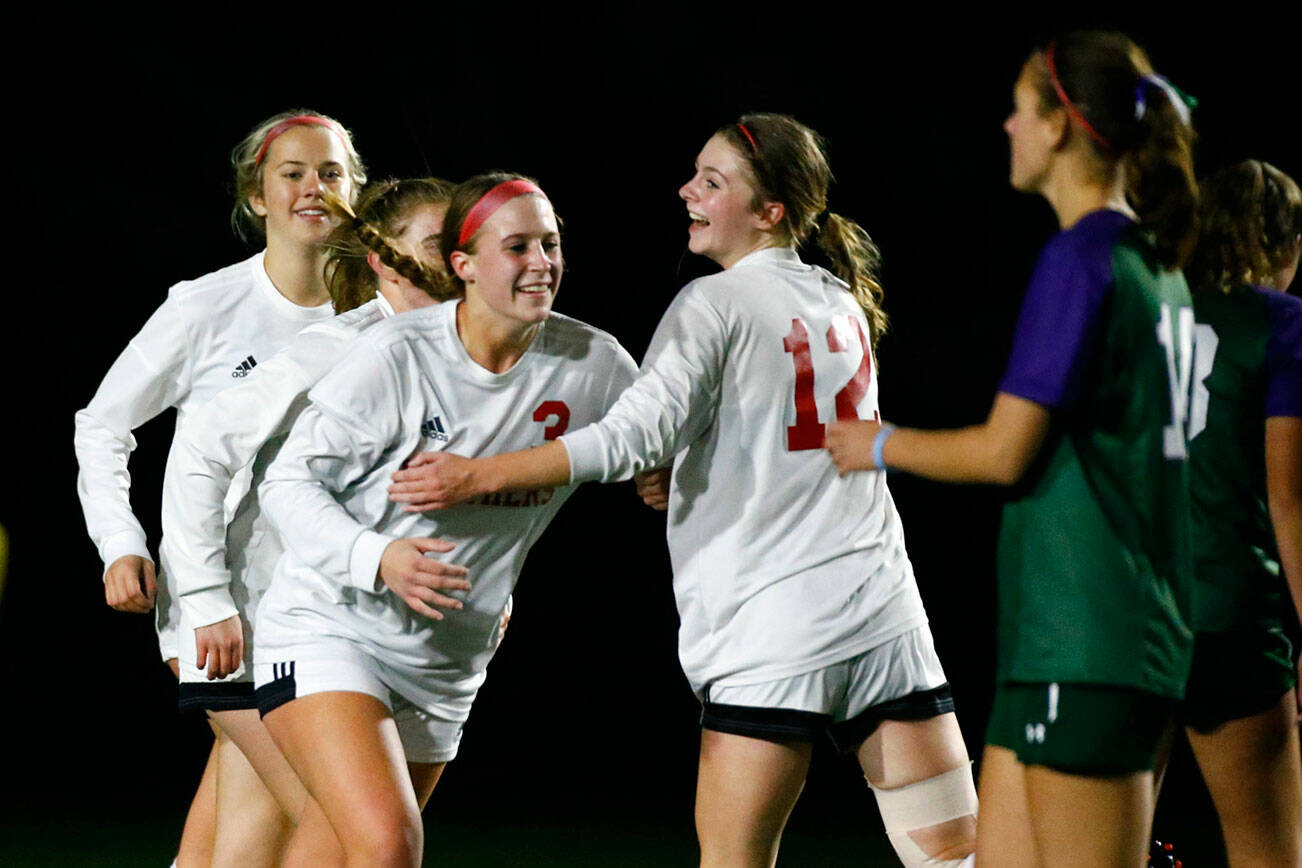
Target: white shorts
(901,679)
(429,720)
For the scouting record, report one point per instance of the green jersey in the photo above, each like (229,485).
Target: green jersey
(1248,366)
(1095,557)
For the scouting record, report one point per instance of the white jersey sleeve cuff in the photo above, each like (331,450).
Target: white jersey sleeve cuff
(587,455)
(364,561)
(209,606)
(119,545)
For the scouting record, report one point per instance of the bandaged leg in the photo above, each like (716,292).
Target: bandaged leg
(924,804)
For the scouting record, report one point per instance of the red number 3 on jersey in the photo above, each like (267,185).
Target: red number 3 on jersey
(808,432)
(548,409)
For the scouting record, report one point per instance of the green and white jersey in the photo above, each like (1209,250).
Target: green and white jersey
(1095,557)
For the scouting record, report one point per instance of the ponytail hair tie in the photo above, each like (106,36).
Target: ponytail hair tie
(1180,101)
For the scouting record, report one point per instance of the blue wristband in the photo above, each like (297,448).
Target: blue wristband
(879,443)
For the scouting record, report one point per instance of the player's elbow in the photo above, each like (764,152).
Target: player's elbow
(272,496)
(1004,472)
(1285,506)
(84,428)
(1007,463)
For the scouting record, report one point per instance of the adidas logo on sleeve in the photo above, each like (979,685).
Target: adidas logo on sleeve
(243,368)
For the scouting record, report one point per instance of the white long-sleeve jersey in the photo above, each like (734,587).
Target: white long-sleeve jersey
(407,385)
(780,565)
(243,427)
(205,337)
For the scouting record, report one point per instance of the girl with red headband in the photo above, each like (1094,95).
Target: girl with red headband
(1089,426)
(207,336)
(376,632)
(799,610)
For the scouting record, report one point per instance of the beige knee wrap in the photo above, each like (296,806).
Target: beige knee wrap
(947,796)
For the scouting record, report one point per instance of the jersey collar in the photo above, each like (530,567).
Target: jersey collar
(281,305)
(767,255)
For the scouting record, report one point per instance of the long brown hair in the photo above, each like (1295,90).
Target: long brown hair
(1250,218)
(381,215)
(788,163)
(1132,121)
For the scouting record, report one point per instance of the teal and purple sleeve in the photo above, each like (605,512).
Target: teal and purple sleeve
(1283,354)
(1054,339)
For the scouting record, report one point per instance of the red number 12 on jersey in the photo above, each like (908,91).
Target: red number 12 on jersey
(808,432)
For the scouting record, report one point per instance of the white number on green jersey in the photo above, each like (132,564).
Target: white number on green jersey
(1177,340)
(1205,344)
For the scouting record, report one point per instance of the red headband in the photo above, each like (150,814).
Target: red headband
(1066,101)
(296,121)
(754,147)
(490,202)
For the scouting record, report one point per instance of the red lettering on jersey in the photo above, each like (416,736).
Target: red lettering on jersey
(847,400)
(546,410)
(808,432)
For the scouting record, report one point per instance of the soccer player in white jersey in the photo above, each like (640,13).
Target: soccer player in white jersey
(798,607)
(220,572)
(368,656)
(206,337)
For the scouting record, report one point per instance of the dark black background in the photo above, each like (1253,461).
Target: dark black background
(123,189)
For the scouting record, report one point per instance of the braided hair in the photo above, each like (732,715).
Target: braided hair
(381,215)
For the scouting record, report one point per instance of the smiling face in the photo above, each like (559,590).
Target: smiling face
(1033,135)
(720,197)
(298,164)
(516,266)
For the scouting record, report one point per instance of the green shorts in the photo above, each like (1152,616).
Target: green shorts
(1084,729)
(1236,674)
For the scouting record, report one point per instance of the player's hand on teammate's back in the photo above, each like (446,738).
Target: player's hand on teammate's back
(851,444)
(129,584)
(433,480)
(418,579)
(219,647)
(653,487)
